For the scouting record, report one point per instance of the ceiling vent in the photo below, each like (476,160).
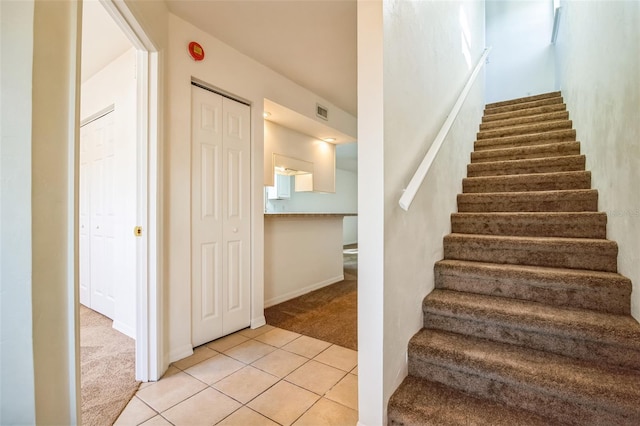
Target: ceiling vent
(322,112)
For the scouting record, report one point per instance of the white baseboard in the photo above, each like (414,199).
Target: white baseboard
(301,291)
(258,322)
(179,353)
(124,329)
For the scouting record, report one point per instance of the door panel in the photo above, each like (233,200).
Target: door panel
(220,216)
(98,216)
(236,226)
(206,224)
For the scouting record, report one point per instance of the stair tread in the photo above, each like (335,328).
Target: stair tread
(563,377)
(527,112)
(524,99)
(526,165)
(547,216)
(538,138)
(419,402)
(541,275)
(523,105)
(525,129)
(529,182)
(527,152)
(620,330)
(534,118)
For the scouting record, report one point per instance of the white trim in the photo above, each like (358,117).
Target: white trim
(149,360)
(124,329)
(425,165)
(180,353)
(93,117)
(258,322)
(301,291)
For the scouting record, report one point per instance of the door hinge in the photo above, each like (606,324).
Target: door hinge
(137,231)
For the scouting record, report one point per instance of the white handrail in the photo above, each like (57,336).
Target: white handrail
(411,190)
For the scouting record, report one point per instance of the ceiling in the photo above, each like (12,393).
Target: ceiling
(311,42)
(102,40)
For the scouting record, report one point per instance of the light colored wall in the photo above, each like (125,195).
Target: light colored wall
(17,386)
(284,141)
(522,60)
(419,92)
(116,85)
(301,254)
(598,56)
(39,337)
(344,200)
(371,244)
(235,73)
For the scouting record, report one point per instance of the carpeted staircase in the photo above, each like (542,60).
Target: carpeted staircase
(529,322)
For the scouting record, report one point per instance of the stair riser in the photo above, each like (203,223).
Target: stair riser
(552,182)
(526,226)
(550,165)
(519,141)
(524,153)
(574,346)
(524,99)
(562,410)
(524,113)
(527,129)
(612,299)
(519,121)
(586,201)
(521,106)
(571,256)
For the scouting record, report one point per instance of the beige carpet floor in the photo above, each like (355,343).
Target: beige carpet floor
(329,314)
(107,367)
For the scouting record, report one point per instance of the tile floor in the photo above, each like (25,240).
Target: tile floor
(267,376)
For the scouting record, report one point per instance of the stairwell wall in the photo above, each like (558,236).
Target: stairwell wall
(430,49)
(598,57)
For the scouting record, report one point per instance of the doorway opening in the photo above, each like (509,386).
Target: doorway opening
(118,185)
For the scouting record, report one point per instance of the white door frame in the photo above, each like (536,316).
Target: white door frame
(149,364)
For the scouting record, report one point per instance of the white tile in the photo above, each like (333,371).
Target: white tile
(170,390)
(339,357)
(156,421)
(246,417)
(328,413)
(249,351)
(306,346)
(205,408)
(227,342)
(277,337)
(135,413)
(199,354)
(214,369)
(316,377)
(345,392)
(246,384)
(279,363)
(283,402)
(255,332)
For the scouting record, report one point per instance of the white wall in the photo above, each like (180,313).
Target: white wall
(598,56)
(288,142)
(522,60)
(301,254)
(235,73)
(419,92)
(40,377)
(17,387)
(116,85)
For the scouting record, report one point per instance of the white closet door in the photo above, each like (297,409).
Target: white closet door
(236,226)
(98,215)
(220,234)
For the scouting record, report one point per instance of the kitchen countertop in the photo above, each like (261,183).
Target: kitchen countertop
(301,214)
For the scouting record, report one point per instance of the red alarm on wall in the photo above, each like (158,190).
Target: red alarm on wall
(196,51)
